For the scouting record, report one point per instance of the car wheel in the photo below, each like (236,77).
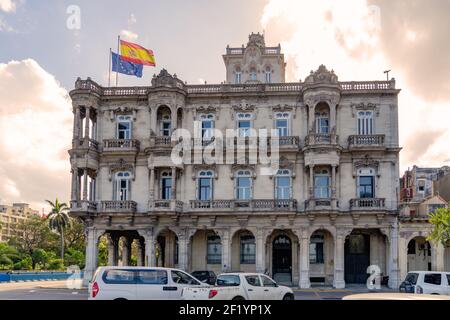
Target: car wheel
(120,299)
(238,298)
(288,296)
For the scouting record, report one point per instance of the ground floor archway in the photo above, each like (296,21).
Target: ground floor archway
(419,254)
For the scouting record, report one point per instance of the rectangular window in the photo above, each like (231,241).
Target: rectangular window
(268,77)
(433,278)
(366,189)
(207,129)
(124,130)
(248,250)
(204,189)
(282,126)
(322,125)
(321,187)
(244,128)
(214,250)
(166,127)
(365,123)
(237,78)
(166,188)
(152,277)
(316,249)
(117,276)
(283,190)
(243,188)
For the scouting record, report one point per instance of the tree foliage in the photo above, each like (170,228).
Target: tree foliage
(440,219)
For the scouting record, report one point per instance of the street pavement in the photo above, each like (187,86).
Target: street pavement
(57,290)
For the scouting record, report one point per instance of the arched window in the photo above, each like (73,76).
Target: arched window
(322,122)
(322,184)
(166,185)
(365,123)
(366,183)
(205,185)
(248,249)
(165,121)
(123,130)
(207,121)
(268,75)
(243,185)
(252,74)
(122,186)
(237,76)
(316,249)
(282,123)
(283,184)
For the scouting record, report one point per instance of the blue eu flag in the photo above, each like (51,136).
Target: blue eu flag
(125,67)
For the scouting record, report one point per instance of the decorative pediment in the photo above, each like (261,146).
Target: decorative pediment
(322,75)
(235,167)
(121,165)
(283,108)
(367,162)
(365,107)
(200,167)
(244,107)
(204,110)
(165,79)
(122,110)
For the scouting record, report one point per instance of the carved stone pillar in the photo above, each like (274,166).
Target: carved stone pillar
(394,272)
(140,260)
(73,195)
(76,124)
(260,251)
(338,281)
(304,282)
(126,251)
(311,181)
(91,254)
(150,241)
(113,247)
(85,185)
(151,186)
(183,243)
(87,123)
(174,183)
(226,250)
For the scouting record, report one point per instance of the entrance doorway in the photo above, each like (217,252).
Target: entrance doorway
(357,258)
(282,259)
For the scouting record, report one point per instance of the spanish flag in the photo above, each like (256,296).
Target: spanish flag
(135,53)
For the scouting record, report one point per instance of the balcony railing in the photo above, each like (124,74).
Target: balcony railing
(314,203)
(83,143)
(167,205)
(163,141)
(366,140)
(120,145)
(366,203)
(320,139)
(256,204)
(288,141)
(118,206)
(83,205)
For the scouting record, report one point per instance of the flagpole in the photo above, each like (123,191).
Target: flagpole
(109,69)
(118,58)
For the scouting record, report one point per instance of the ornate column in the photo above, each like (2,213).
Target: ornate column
(91,254)
(311,118)
(333,117)
(113,246)
(394,269)
(304,282)
(85,184)
(260,251)
(311,181)
(149,239)
(402,255)
(437,255)
(86,123)
(151,186)
(73,195)
(183,242)
(226,250)
(76,125)
(174,183)
(140,260)
(338,281)
(126,251)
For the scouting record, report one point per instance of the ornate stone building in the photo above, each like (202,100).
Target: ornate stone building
(329,212)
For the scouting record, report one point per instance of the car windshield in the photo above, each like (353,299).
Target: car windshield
(200,274)
(182,278)
(228,281)
(412,278)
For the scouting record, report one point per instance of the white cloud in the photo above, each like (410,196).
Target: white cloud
(7,6)
(35,134)
(128,35)
(347,37)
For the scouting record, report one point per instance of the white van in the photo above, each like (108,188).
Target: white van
(140,283)
(426,282)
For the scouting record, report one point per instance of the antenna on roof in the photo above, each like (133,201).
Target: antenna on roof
(387,74)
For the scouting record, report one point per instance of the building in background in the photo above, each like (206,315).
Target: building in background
(417,184)
(441,186)
(10,218)
(327,214)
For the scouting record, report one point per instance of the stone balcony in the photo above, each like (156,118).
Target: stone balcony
(316,204)
(121,145)
(319,139)
(118,206)
(358,142)
(362,204)
(82,207)
(166,205)
(85,144)
(254,205)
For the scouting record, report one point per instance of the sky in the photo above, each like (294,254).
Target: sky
(45,45)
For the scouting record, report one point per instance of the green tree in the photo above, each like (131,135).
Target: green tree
(59,220)
(8,255)
(440,219)
(74,235)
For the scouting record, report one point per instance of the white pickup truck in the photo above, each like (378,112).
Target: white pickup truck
(240,286)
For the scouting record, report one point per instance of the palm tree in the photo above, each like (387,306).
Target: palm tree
(58,220)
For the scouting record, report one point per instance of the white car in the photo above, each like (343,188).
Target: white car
(140,283)
(426,282)
(240,286)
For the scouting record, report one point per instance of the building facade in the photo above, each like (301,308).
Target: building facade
(420,183)
(11,216)
(328,212)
